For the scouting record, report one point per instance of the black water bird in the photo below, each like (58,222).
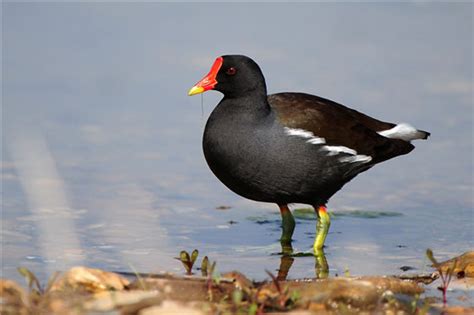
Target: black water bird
(290,147)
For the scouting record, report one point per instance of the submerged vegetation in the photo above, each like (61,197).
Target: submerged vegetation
(310,214)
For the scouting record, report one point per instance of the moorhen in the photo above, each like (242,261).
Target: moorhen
(290,147)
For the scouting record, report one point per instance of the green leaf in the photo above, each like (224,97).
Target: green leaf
(30,278)
(194,255)
(216,276)
(213,266)
(184,256)
(204,266)
(429,254)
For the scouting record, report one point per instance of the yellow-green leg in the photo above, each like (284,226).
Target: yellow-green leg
(288,225)
(322,228)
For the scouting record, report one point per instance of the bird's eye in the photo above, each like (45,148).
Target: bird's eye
(231,71)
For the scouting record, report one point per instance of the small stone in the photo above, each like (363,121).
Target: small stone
(90,280)
(11,290)
(464,264)
(240,281)
(108,300)
(13,299)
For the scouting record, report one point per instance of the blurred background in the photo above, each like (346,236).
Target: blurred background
(101,146)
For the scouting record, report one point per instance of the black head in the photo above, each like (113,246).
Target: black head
(234,76)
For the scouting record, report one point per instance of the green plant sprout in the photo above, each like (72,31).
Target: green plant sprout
(140,279)
(445,274)
(31,280)
(188,261)
(213,280)
(285,300)
(33,283)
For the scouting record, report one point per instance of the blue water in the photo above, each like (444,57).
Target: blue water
(102,162)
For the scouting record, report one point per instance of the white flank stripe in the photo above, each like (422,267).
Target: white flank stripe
(299,133)
(316,140)
(333,150)
(402,131)
(358,158)
(305,134)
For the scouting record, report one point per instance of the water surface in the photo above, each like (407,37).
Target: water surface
(102,161)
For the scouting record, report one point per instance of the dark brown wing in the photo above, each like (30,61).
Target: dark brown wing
(337,124)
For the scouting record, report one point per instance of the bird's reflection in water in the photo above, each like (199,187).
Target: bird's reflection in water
(286,260)
(321,266)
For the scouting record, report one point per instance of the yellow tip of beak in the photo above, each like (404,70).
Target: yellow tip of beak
(195,90)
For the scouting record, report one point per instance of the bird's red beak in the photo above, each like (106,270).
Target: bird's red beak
(209,81)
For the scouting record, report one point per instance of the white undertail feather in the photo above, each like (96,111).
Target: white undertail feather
(403,131)
(331,149)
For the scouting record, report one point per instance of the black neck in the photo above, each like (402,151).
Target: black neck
(253,103)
